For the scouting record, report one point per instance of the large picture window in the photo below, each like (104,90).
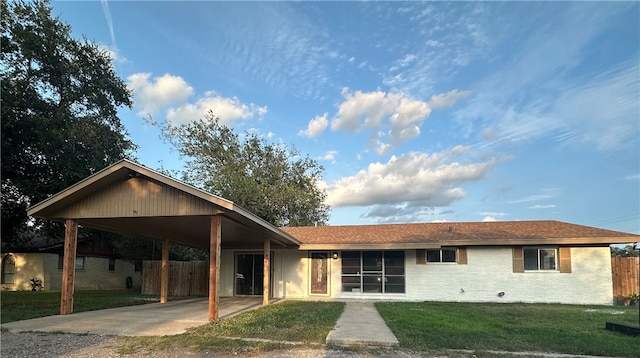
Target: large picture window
(373,271)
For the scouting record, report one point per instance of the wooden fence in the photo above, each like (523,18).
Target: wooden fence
(624,271)
(190,278)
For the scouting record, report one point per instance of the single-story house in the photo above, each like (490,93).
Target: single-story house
(528,261)
(97,266)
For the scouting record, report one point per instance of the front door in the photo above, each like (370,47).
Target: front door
(319,273)
(249,274)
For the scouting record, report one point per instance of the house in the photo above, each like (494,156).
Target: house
(97,266)
(528,261)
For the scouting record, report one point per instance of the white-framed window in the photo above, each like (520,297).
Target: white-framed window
(373,271)
(540,259)
(442,255)
(8,269)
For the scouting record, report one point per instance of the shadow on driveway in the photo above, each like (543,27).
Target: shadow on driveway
(154,319)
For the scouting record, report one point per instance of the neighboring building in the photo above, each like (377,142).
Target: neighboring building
(97,267)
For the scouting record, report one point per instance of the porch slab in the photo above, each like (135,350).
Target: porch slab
(154,319)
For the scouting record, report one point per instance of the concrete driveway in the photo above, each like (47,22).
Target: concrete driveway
(152,319)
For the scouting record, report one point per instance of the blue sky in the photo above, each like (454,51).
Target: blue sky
(418,111)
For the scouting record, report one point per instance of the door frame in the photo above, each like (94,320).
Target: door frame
(271,271)
(327,262)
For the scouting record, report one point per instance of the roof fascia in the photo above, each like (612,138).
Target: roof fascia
(431,245)
(268,226)
(397,246)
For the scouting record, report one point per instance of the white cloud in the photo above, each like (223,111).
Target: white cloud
(547,193)
(447,100)
(316,126)
(394,116)
(151,95)
(113,53)
(633,177)
(227,109)
(372,107)
(404,213)
(538,206)
(330,155)
(415,179)
(489,218)
(494,214)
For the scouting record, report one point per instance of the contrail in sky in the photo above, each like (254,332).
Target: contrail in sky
(107,16)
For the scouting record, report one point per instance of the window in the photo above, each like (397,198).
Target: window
(8,269)
(456,255)
(112,263)
(373,271)
(539,259)
(441,255)
(79,262)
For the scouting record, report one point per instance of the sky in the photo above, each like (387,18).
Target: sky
(418,111)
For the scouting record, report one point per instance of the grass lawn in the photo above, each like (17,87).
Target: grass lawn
(16,306)
(293,321)
(570,329)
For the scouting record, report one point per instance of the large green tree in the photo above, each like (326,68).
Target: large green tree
(272,181)
(59,103)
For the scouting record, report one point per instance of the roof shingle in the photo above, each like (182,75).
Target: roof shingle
(458,233)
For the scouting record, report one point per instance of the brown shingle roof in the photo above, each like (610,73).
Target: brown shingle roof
(456,233)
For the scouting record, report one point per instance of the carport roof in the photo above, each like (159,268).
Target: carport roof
(129,198)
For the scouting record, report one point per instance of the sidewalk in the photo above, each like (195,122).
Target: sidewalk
(361,324)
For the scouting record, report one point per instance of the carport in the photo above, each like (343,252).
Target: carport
(129,198)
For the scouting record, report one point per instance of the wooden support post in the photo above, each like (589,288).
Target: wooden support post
(265,280)
(215,238)
(68,266)
(164,272)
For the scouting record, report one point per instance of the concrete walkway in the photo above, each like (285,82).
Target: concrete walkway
(154,319)
(361,324)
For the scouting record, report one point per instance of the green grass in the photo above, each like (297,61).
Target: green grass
(16,306)
(517,327)
(290,321)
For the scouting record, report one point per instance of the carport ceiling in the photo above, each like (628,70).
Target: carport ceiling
(128,198)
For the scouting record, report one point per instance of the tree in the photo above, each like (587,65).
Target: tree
(59,105)
(272,181)
(627,251)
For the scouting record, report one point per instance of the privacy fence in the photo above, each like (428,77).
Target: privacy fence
(185,278)
(625,277)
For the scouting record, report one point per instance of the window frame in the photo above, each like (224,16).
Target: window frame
(539,250)
(112,264)
(8,260)
(361,279)
(79,259)
(441,255)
